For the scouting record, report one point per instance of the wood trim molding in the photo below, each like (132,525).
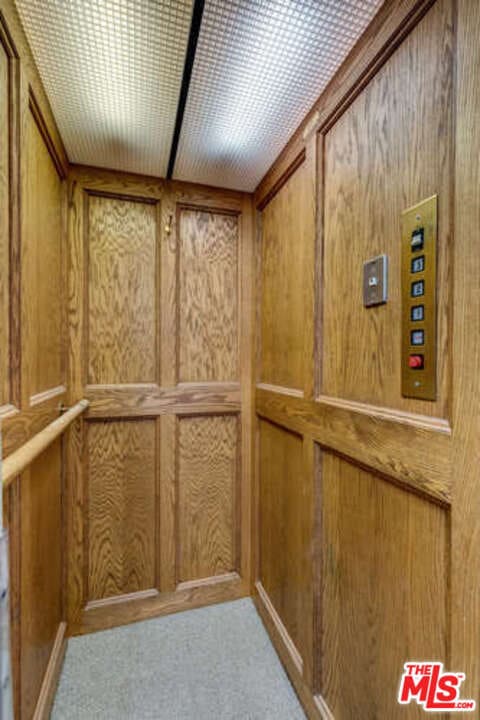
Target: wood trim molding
(289,392)
(8,411)
(371,440)
(101,180)
(6,39)
(101,617)
(8,44)
(427,422)
(278,184)
(58,161)
(323,709)
(108,401)
(121,196)
(281,630)
(208,581)
(42,397)
(283,649)
(389,27)
(118,599)
(52,675)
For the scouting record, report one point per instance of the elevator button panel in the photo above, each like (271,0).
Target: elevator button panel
(419,240)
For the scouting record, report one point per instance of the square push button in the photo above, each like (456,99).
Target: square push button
(415,362)
(416,241)
(418,264)
(417,312)
(417,337)
(418,288)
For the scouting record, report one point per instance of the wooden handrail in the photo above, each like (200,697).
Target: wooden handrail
(15,463)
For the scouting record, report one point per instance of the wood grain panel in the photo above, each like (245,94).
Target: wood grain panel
(122,507)
(284,506)
(200,234)
(284,250)
(208,296)
(391,149)
(152,400)
(384,589)
(43,279)
(122,286)
(41,571)
(372,437)
(5,199)
(207,496)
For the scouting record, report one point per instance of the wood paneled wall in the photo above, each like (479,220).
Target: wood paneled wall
(364,551)
(137,294)
(160,322)
(362,496)
(33,168)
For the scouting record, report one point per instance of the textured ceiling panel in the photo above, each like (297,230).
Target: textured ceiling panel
(259,67)
(112,70)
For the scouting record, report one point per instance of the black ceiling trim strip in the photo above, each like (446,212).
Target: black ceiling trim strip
(187,74)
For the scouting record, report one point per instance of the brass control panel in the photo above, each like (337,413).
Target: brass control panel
(419,240)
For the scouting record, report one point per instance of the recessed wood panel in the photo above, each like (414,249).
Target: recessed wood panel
(208,302)
(122,507)
(4,229)
(41,570)
(385,585)
(42,249)
(283,512)
(207,503)
(391,149)
(284,248)
(122,291)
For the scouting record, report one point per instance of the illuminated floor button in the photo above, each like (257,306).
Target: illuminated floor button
(415,362)
(417,312)
(417,337)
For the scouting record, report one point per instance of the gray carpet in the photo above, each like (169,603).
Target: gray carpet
(215,663)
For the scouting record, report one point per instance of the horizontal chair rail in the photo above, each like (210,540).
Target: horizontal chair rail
(16,463)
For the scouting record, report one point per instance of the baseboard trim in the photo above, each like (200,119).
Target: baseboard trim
(280,628)
(324,710)
(52,675)
(134,609)
(314,705)
(114,600)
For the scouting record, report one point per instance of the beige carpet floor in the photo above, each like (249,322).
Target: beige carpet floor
(215,663)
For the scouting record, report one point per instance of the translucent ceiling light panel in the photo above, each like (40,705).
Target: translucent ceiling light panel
(260,66)
(113,71)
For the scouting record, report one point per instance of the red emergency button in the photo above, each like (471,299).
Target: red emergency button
(415,362)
